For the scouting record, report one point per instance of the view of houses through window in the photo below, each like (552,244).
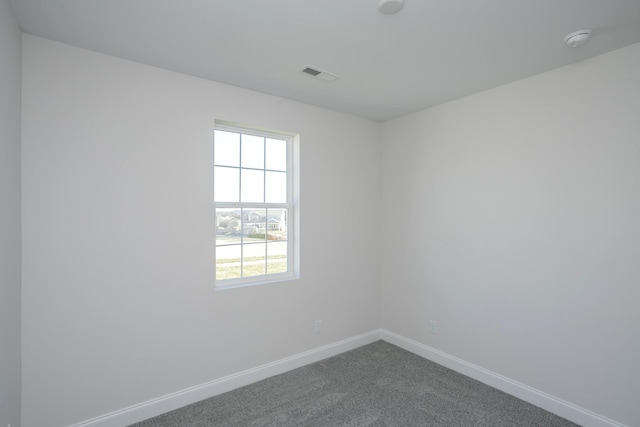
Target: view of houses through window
(258,237)
(252,198)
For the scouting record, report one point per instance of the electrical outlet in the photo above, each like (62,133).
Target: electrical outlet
(317,327)
(433,326)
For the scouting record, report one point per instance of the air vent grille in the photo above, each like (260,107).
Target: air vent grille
(318,74)
(311,71)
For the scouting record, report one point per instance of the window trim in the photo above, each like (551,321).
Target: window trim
(292,206)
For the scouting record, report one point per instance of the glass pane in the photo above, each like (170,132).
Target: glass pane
(226,184)
(228,264)
(252,186)
(228,226)
(254,224)
(226,148)
(276,224)
(276,187)
(252,152)
(276,154)
(254,259)
(276,257)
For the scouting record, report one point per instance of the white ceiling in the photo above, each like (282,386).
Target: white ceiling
(431,52)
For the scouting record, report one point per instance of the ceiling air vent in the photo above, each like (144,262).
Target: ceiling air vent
(318,74)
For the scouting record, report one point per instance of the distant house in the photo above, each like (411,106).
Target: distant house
(252,221)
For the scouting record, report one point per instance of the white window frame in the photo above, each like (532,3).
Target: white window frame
(292,206)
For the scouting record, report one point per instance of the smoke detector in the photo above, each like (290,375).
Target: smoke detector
(318,74)
(390,6)
(577,38)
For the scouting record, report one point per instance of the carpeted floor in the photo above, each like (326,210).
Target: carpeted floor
(375,385)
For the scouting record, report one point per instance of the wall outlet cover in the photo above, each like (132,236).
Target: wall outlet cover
(433,326)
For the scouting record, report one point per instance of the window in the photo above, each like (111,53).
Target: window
(253,190)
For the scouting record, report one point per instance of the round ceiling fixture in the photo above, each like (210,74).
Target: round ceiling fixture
(577,38)
(390,6)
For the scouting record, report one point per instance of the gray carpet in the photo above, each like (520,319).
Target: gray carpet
(375,385)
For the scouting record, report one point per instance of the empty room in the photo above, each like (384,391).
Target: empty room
(364,213)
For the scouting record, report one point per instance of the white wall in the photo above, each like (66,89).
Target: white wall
(119,305)
(10,225)
(512,217)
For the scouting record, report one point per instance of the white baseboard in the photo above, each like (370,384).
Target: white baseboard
(154,407)
(538,398)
